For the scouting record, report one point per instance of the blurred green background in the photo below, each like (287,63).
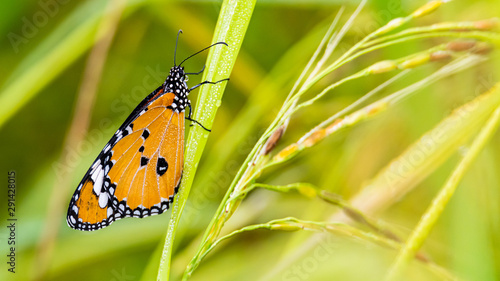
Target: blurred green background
(280,39)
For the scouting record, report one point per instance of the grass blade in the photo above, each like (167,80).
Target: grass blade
(231,28)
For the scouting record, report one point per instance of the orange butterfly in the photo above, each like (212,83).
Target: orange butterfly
(139,170)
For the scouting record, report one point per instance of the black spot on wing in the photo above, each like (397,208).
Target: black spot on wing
(144,161)
(161,166)
(145,134)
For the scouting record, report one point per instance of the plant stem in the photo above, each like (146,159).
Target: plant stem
(231,28)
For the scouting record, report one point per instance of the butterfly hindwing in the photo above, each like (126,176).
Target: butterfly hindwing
(139,170)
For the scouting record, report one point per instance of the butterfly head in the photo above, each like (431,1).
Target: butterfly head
(176,82)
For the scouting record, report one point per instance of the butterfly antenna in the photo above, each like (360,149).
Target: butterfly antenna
(218,43)
(176,41)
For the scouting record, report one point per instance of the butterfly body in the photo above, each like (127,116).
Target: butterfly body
(139,170)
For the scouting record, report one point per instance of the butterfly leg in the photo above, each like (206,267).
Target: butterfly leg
(196,73)
(207,82)
(192,120)
(189,105)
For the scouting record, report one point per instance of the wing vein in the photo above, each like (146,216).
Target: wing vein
(158,150)
(163,137)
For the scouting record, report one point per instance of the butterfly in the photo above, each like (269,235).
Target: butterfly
(139,170)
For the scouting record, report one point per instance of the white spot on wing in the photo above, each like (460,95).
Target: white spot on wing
(98,178)
(96,164)
(103,200)
(110,212)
